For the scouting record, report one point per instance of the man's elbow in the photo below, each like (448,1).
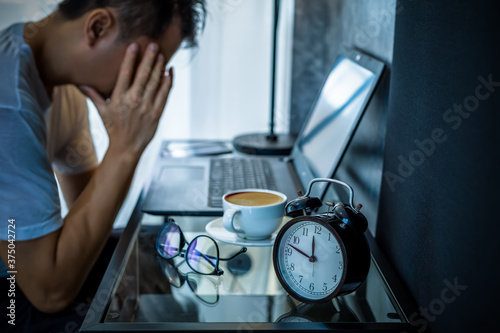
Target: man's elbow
(53,301)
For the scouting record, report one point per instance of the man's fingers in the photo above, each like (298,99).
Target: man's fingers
(96,98)
(126,70)
(155,80)
(162,96)
(144,70)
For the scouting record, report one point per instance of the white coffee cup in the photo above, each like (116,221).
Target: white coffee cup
(253,214)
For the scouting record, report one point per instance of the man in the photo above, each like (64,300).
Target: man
(114,51)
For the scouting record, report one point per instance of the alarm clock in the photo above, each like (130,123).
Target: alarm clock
(318,257)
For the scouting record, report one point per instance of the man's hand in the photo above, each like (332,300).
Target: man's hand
(132,113)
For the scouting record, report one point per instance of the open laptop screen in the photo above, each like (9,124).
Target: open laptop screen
(334,116)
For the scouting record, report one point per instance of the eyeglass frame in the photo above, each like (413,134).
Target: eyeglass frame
(182,253)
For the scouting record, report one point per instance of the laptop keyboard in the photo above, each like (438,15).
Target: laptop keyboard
(228,174)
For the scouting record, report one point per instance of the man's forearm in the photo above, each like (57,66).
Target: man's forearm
(56,266)
(85,231)
(73,185)
(90,220)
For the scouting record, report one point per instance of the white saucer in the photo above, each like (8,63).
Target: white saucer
(216,229)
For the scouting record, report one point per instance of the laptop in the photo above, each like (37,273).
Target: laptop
(181,186)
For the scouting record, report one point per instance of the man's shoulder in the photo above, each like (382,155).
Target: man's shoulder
(13,49)
(12,36)
(20,83)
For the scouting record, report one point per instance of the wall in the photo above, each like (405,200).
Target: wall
(12,11)
(325,28)
(438,222)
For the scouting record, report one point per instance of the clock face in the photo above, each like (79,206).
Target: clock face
(310,260)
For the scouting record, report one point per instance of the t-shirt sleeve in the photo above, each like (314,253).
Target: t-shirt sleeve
(28,189)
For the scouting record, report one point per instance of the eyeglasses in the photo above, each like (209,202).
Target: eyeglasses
(203,287)
(202,254)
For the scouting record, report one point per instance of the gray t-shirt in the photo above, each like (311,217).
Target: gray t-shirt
(36,138)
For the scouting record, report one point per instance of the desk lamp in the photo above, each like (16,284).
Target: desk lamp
(270,143)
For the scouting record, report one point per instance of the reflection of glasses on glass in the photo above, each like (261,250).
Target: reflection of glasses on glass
(202,254)
(203,287)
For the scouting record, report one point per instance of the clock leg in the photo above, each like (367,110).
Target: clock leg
(336,304)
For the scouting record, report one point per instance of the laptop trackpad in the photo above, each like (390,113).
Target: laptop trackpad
(181,173)
(178,189)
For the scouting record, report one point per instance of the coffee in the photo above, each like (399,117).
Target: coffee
(254,199)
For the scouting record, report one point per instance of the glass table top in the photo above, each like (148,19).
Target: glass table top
(142,291)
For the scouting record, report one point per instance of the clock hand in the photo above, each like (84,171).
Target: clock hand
(313,258)
(313,248)
(299,251)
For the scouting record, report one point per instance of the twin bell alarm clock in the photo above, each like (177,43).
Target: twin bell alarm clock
(320,256)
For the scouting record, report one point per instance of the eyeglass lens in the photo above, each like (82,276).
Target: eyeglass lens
(203,255)
(174,278)
(204,288)
(169,241)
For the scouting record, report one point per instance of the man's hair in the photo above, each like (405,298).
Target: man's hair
(145,17)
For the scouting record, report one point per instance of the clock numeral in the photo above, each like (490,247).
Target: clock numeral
(338,248)
(300,278)
(311,287)
(296,240)
(329,236)
(325,287)
(341,264)
(288,251)
(292,267)
(305,232)
(335,278)
(317,230)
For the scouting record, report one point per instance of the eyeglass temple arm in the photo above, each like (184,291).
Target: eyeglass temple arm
(243,250)
(208,257)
